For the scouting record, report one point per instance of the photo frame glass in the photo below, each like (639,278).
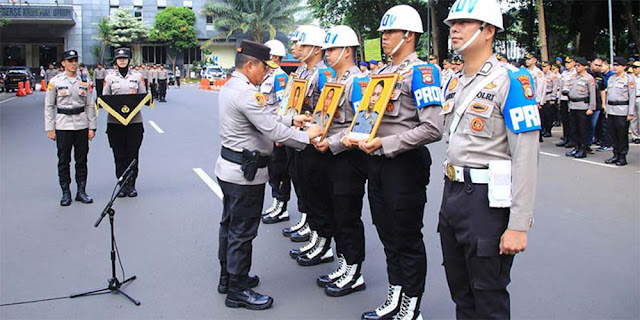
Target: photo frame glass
(326,106)
(372,107)
(294,101)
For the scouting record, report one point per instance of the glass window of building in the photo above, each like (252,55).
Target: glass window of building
(137,3)
(114,3)
(192,55)
(137,12)
(209,23)
(112,10)
(187,3)
(162,4)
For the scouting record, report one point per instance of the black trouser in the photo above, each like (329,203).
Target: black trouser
(348,174)
(279,178)
(547,116)
(154,90)
(397,196)
(619,133)
(99,86)
(79,141)
(470,234)
(602,129)
(178,81)
(564,119)
(242,205)
(162,88)
(125,143)
(296,173)
(318,190)
(580,128)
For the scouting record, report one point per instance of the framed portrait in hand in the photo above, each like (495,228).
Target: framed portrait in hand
(372,107)
(293,103)
(326,107)
(286,94)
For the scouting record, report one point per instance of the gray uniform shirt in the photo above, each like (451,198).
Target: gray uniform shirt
(162,74)
(583,86)
(99,74)
(551,81)
(621,89)
(50,73)
(482,135)
(144,73)
(566,80)
(115,83)
(153,75)
(538,83)
(268,89)
(344,112)
(246,124)
(68,93)
(313,93)
(404,127)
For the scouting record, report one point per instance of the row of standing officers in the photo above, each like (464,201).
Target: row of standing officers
(487,114)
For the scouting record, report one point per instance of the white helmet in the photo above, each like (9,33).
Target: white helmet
(277,48)
(295,34)
(401,17)
(311,36)
(487,11)
(340,36)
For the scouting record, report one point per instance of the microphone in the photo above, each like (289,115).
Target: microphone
(127,171)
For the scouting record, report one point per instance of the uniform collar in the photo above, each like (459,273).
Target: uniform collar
(488,65)
(240,76)
(405,62)
(72,79)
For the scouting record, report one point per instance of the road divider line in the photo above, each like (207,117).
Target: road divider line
(549,154)
(155,126)
(3,101)
(212,184)
(598,164)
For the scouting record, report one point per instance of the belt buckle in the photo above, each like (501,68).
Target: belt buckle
(451,172)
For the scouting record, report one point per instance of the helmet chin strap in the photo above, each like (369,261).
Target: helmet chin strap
(339,57)
(473,38)
(308,54)
(404,37)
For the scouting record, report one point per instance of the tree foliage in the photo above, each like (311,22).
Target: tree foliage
(175,28)
(126,29)
(255,18)
(104,36)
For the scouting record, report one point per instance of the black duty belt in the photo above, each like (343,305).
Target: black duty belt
(565,93)
(241,157)
(618,103)
(71,111)
(586,100)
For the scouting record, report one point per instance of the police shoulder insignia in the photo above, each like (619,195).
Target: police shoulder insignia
(452,84)
(50,86)
(632,84)
(525,80)
(260,99)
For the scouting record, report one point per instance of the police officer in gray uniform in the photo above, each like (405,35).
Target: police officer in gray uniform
(582,104)
(50,73)
(491,127)
(144,72)
(247,131)
(399,163)
(99,73)
(153,80)
(162,84)
(70,120)
(125,141)
(620,109)
(566,81)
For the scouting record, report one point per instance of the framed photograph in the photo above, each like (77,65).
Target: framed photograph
(286,94)
(326,107)
(372,107)
(293,103)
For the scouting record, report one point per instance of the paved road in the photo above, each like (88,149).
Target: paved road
(583,259)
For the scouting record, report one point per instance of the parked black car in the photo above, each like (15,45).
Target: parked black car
(18,74)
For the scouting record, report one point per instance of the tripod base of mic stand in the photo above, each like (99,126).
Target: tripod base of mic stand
(114,286)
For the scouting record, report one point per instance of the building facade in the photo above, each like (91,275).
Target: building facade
(41,30)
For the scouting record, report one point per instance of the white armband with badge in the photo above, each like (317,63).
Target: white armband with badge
(499,184)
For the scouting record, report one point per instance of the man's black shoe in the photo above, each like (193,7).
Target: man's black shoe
(132,193)
(560,144)
(249,299)
(622,160)
(613,159)
(580,154)
(571,153)
(66,195)
(82,195)
(570,145)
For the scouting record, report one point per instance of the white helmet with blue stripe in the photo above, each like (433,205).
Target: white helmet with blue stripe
(401,17)
(340,36)
(486,11)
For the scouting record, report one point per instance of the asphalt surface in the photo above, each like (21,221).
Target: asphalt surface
(582,262)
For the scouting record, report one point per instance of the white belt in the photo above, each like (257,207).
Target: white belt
(456,174)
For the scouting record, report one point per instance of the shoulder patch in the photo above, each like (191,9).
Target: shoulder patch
(425,86)
(357,91)
(260,99)
(50,86)
(323,76)
(520,110)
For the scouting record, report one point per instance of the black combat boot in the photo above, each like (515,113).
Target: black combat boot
(223,285)
(66,195)
(351,281)
(325,280)
(82,195)
(296,227)
(240,295)
(613,159)
(123,191)
(321,253)
(389,308)
(582,153)
(296,252)
(131,192)
(301,235)
(409,309)
(622,160)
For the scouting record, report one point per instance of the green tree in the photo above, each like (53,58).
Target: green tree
(3,22)
(126,29)
(175,27)
(104,36)
(253,17)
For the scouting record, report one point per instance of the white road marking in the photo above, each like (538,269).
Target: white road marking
(212,184)
(596,163)
(549,154)
(3,101)
(155,126)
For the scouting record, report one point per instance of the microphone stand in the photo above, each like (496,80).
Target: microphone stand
(113,283)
